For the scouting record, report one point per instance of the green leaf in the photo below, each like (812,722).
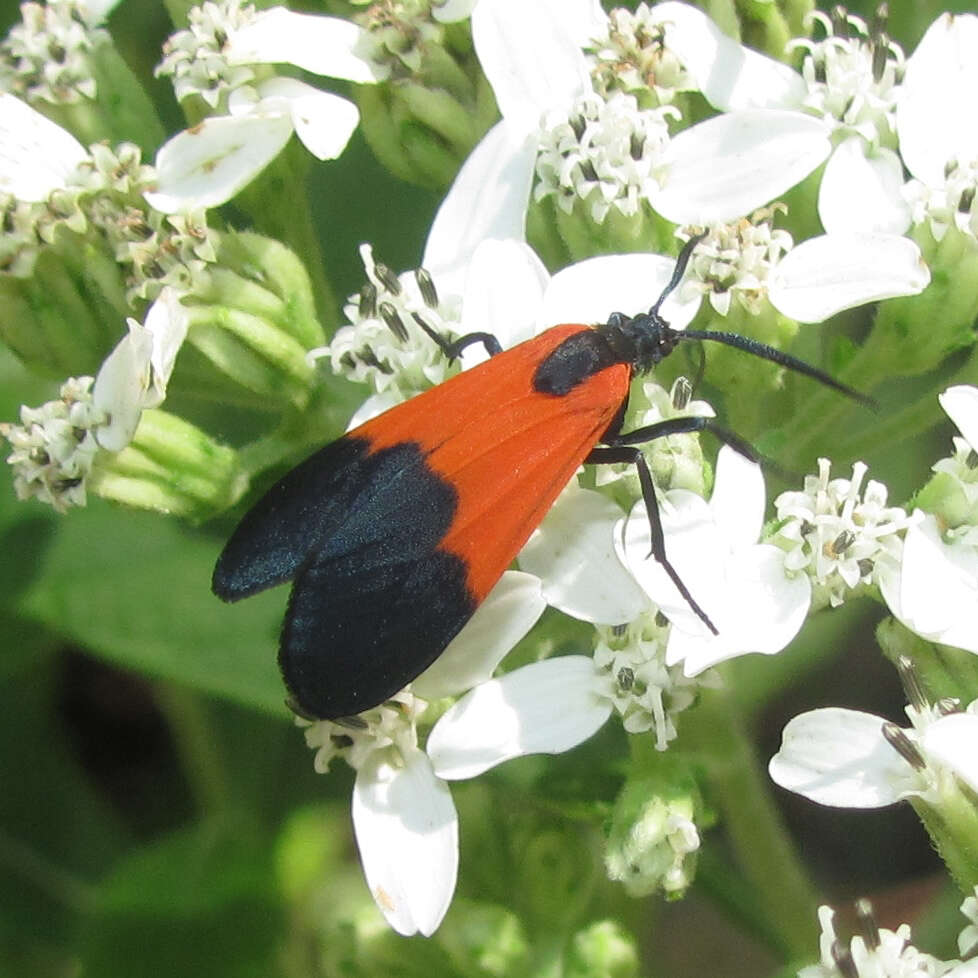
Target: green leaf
(199,902)
(135,589)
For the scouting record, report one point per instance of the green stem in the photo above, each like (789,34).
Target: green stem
(197,746)
(759,840)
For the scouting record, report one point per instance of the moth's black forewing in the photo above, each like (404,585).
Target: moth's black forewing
(280,532)
(376,602)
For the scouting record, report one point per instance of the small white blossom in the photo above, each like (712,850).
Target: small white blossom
(221,58)
(874,953)
(404,819)
(631,55)
(647,694)
(852,76)
(46,57)
(934,592)
(850,759)
(54,447)
(838,533)
(384,345)
(734,261)
(755,264)
(744,587)
(938,144)
(602,152)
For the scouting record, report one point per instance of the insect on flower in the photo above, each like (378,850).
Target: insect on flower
(396,532)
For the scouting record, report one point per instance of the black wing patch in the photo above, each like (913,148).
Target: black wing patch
(289,523)
(374,600)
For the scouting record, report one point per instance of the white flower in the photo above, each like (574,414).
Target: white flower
(849,84)
(403,816)
(37,156)
(809,282)
(935,591)
(849,759)
(533,57)
(209,163)
(874,953)
(135,374)
(56,446)
(938,143)
(743,586)
(839,534)
(46,57)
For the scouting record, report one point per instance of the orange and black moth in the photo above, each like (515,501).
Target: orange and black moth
(396,532)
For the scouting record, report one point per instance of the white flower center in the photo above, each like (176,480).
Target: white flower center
(632,58)
(954,203)
(735,261)
(385,344)
(603,153)
(390,727)
(647,693)
(45,57)
(196,57)
(838,534)
(852,76)
(54,446)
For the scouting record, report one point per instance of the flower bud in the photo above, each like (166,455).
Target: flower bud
(653,840)
(170,466)
(423,121)
(253,317)
(603,948)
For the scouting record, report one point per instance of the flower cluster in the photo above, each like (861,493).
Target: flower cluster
(620,135)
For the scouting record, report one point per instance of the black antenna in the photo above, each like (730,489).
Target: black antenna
(745,343)
(779,357)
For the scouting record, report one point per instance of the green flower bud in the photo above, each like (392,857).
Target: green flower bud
(485,940)
(603,949)
(170,466)
(252,316)
(423,122)
(65,317)
(653,839)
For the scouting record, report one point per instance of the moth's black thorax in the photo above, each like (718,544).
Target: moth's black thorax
(640,341)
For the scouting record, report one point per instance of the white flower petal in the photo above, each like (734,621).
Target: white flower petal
(839,757)
(167,321)
(374,405)
(861,193)
(509,611)
(544,708)
(738,498)
(36,154)
(407,833)
(573,551)
(589,291)
(503,290)
(761,611)
(730,76)
(938,588)
(960,403)
(323,121)
(824,275)
(487,200)
(530,56)
(953,742)
(930,124)
(726,167)
(208,164)
(121,385)
(323,45)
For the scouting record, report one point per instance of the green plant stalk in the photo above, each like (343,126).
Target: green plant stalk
(758,837)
